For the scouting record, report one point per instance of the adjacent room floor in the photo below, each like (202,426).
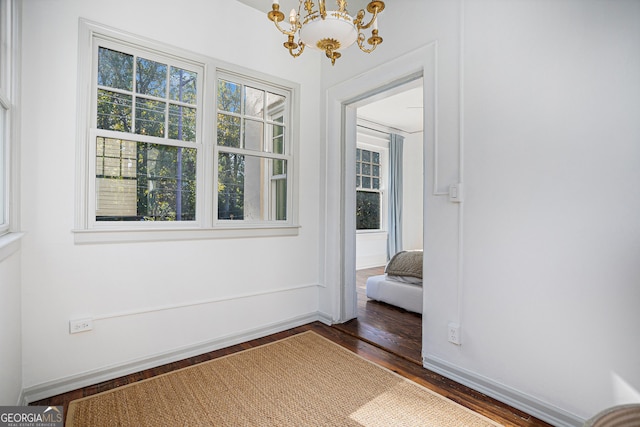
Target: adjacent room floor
(394,329)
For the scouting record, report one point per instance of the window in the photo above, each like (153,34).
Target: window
(252,152)
(368,186)
(146,140)
(158,162)
(8,68)
(3,169)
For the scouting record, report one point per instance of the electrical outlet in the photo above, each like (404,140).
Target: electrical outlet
(80,325)
(454,333)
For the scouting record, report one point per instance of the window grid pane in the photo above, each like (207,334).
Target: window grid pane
(254,102)
(228,130)
(182,86)
(114,111)
(251,187)
(150,116)
(368,196)
(182,123)
(137,181)
(367,169)
(163,105)
(229,96)
(151,78)
(258,132)
(115,69)
(367,210)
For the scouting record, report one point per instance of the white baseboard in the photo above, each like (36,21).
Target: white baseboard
(325,318)
(539,409)
(63,385)
(370,262)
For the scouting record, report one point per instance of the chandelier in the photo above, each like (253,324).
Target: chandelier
(328,30)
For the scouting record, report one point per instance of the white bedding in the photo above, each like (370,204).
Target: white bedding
(401,294)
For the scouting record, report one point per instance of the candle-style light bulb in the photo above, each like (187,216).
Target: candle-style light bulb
(276,2)
(375,24)
(292,17)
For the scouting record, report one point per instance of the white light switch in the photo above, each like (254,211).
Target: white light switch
(455,192)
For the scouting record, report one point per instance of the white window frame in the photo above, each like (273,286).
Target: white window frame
(206,224)
(10,12)
(266,154)
(377,141)
(164,141)
(4,164)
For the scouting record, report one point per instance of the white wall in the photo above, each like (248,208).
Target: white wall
(371,249)
(539,264)
(10,323)
(251,285)
(552,158)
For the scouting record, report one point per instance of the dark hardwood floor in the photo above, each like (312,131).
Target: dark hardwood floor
(385,335)
(383,325)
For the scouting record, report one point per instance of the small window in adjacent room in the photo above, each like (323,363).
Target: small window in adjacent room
(368,186)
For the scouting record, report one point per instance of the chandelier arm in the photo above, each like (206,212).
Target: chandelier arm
(299,52)
(285,32)
(361,44)
(373,19)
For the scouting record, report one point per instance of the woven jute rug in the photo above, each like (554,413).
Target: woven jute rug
(303,380)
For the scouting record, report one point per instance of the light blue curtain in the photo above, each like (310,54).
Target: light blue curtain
(394,242)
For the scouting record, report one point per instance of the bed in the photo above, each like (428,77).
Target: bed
(401,285)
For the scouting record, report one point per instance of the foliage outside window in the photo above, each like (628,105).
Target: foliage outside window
(252,155)
(148,173)
(156,158)
(368,196)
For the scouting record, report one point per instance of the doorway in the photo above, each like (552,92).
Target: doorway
(337,247)
(393,114)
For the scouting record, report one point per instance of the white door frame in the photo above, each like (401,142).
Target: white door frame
(342,102)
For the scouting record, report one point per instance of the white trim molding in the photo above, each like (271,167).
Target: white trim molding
(342,99)
(9,244)
(73,382)
(503,393)
(202,302)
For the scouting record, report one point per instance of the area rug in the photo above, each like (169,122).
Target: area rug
(303,380)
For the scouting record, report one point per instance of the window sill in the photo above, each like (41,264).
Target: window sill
(157,235)
(9,244)
(371,232)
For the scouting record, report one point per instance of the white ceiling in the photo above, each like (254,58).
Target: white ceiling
(401,109)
